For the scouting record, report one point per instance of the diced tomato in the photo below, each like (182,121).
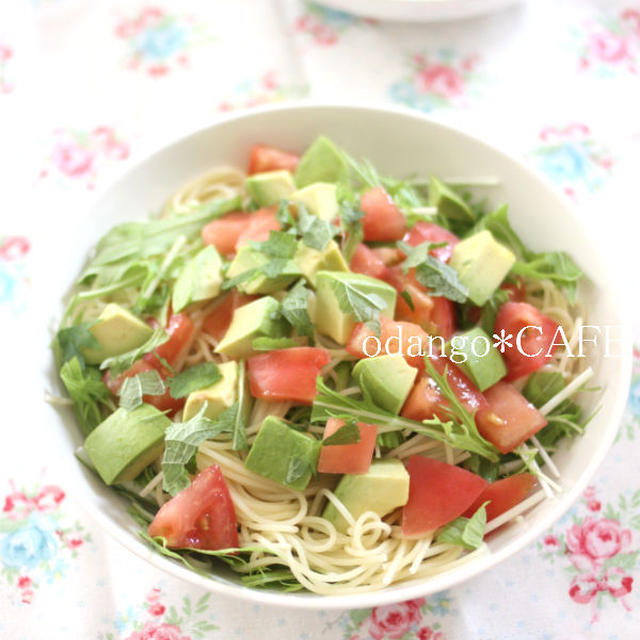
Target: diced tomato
(382,221)
(263,158)
(443,317)
(519,418)
(217,321)
(413,339)
(538,332)
(348,458)
(365,261)
(201,516)
(517,290)
(390,256)
(435,234)
(180,330)
(261,223)
(438,493)
(287,374)
(503,495)
(224,232)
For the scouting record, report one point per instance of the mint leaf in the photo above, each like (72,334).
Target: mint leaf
(298,467)
(182,440)
(316,233)
(87,392)
(118,364)
(280,244)
(73,339)
(441,280)
(294,308)
(133,388)
(194,378)
(348,433)
(350,221)
(363,306)
(465,532)
(418,254)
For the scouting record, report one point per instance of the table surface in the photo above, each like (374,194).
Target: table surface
(87,87)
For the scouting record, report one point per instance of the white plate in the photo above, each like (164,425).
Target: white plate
(398,142)
(419,10)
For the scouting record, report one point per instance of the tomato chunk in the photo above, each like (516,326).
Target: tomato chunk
(519,419)
(263,158)
(503,495)
(390,256)
(201,516)
(438,493)
(217,321)
(224,232)
(180,330)
(382,221)
(435,234)
(538,332)
(259,225)
(287,374)
(348,458)
(366,261)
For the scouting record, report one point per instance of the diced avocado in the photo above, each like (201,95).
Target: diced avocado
(448,202)
(118,331)
(247,259)
(482,263)
(381,490)
(482,362)
(270,187)
(219,396)
(310,260)
(386,380)
(126,442)
(330,319)
(253,320)
(321,162)
(319,198)
(200,279)
(283,454)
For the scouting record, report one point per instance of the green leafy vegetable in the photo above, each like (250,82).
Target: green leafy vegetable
(298,467)
(348,433)
(465,532)
(265,343)
(406,296)
(133,388)
(351,299)
(280,244)
(316,233)
(294,308)
(245,276)
(350,220)
(490,309)
(197,377)
(72,340)
(542,386)
(237,412)
(441,279)
(118,364)
(482,467)
(87,392)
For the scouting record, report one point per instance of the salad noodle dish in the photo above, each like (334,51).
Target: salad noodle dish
(324,377)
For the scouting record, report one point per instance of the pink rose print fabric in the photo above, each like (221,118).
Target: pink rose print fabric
(266,89)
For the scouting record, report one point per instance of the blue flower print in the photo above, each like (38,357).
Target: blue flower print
(31,544)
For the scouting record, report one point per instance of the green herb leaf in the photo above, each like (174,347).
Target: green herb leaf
(465,532)
(182,440)
(441,279)
(482,467)
(245,276)
(498,223)
(406,296)
(316,233)
(133,388)
(72,340)
(542,386)
(87,392)
(265,343)
(194,378)
(298,467)
(348,433)
(280,244)
(418,254)
(294,308)
(350,220)
(490,309)
(363,306)
(118,364)
(237,417)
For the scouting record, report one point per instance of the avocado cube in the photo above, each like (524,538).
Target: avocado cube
(330,319)
(117,331)
(383,488)
(385,380)
(319,198)
(283,454)
(321,162)
(482,263)
(270,187)
(448,202)
(200,279)
(126,442)
(482,362)
(218,397)
(247,259)
(253,320)
(310,260)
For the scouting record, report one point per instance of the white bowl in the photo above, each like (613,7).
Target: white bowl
(400,143)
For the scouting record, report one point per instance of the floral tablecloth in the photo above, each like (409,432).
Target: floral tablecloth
(86,87)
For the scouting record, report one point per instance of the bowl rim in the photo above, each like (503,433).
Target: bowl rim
(439,582)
